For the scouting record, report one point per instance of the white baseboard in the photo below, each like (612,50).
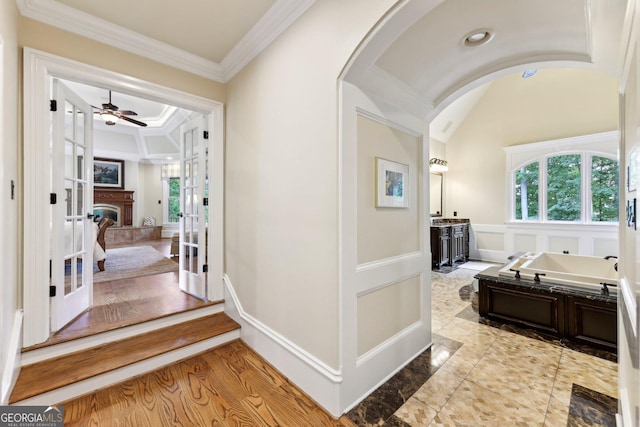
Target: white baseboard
(319,381)
(12,365)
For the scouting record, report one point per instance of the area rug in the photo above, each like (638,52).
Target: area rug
(476,265)
(135,261)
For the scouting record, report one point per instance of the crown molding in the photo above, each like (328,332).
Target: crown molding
(264,32)
(270,26)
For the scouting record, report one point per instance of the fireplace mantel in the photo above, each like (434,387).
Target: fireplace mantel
(121,198)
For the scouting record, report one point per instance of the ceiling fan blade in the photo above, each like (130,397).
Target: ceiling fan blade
(128,113)
(133,121)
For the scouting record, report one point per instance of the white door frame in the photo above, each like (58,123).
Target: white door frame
(39,68)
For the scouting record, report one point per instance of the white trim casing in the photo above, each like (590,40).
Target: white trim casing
(39,68)
(11,368)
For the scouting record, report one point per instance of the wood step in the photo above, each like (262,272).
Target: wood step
(61,371)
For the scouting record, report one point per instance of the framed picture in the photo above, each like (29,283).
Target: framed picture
(392,184)
(108,173)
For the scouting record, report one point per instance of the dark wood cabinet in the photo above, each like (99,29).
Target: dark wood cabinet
(458,243)
(449,244)
(440,242)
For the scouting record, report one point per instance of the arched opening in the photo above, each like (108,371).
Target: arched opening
(421,60)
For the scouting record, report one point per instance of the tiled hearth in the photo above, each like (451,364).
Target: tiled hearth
(482,373)
(132,234)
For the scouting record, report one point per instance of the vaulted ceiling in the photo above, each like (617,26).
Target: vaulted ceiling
(421,61)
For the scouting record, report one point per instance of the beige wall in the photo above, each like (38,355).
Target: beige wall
(385,232)
(386,312)
(43,37)
(281,189)
(10,159)
(150,191)
(553,104)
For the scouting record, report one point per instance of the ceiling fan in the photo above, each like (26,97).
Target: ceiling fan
(111,114)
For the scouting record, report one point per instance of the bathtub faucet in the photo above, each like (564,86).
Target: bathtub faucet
(536,278)
(613,256)
(517,276)
(605,289)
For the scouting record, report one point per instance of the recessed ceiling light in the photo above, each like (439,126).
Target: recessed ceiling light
(477,37)
(528,73)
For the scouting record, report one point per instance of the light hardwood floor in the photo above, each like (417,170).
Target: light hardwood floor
(229,385)
(127,302)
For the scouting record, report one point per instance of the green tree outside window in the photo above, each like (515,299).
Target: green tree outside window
(174,199)
(564,187)
(526,196)
(604,189)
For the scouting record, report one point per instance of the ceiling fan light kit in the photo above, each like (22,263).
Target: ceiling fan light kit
(111,114)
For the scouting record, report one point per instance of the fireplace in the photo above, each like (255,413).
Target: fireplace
(118,203)
(101,210)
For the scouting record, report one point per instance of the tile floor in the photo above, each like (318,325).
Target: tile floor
(482,373)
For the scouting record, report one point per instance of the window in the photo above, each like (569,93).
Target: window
(604,189)
(173,199)
(564,188)
(577,187)
(527,192)
(565,181)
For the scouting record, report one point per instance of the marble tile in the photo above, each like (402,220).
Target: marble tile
(415,413)
(380,405)
(463,361)
(531,387)
(588,371)
(438,389)
(590,408)
(481,372)
(557,414)
(520,351)
(474,405)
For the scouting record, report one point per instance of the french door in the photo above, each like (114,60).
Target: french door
(194,208)
(72,228)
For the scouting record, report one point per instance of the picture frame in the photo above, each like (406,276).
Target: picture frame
(108,173)
(392,184)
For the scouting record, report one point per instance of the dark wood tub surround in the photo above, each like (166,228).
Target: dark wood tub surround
(584,316)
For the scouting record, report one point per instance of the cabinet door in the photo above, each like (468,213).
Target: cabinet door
(445,241)
(457,243)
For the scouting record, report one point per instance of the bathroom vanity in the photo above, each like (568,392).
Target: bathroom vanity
(449,241)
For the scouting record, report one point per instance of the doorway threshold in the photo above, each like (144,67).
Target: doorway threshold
(126,302)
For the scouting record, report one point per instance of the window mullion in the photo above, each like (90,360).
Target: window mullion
(542,198)
(586,188)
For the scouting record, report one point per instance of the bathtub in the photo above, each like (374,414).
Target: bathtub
(583,272)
